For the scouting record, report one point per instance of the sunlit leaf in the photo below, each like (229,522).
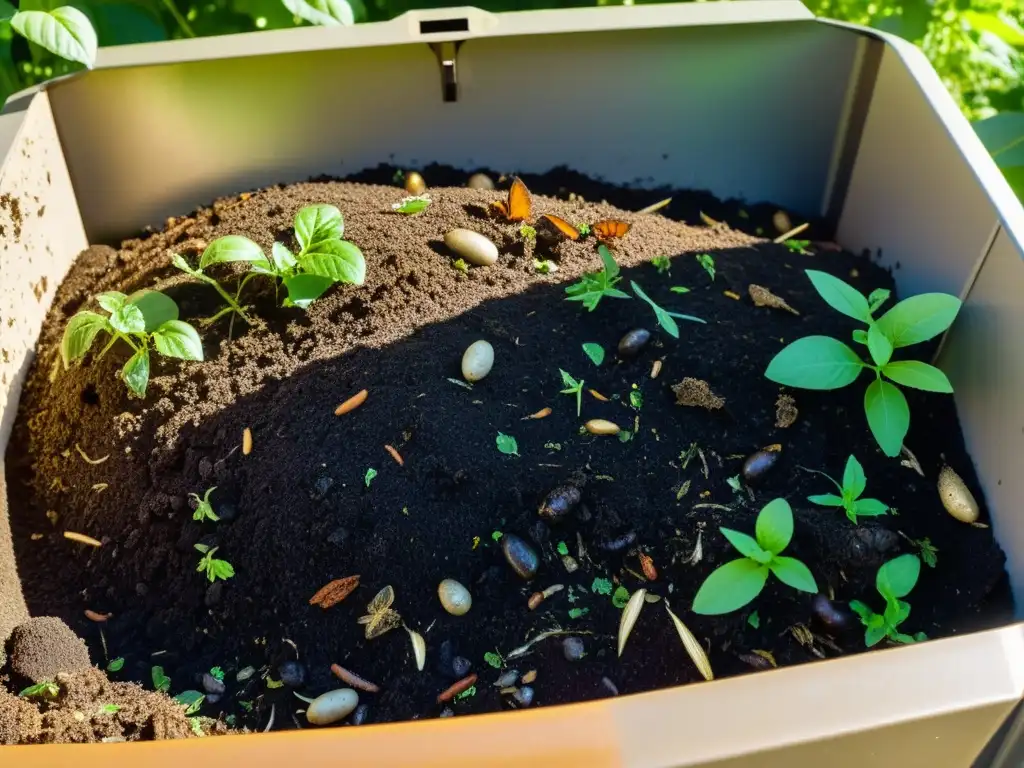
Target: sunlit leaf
(64,31)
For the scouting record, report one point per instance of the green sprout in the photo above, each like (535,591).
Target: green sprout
(494,659)
(562,548)
(214,569)
(137,320)
(217,673)
(754,620)
(204,509)
(507,444)
(412,205)
(929,552)
(578,613)
(572,387)
(601,586)
(544,266)
(823,363)
(663,264)
(895,579)
(584,229)
(370,474)
(733,585)
(620,597)
(593,286)
(854,483)
(707,261)
(191,700)
(798,246)
(161,682)
(116,665)
(461,266)
(496,535)
(528,233)
(44,690)
(664,317)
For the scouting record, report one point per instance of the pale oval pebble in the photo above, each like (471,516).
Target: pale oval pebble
(454,597)
(472,246)
(480,181)
(332,706)
(782,222)
(477,360)
(414,183)
(602,427)
(956,497)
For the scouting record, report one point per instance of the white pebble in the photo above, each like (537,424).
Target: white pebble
(454,597)
(480,181)
(477,360)
(472,246)
(332,706)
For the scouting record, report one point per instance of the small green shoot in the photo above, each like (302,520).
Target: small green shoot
(191,700)
(707,261)
(854,483)
(44,690)
(663,316)
(562,548)
(620,597)
(929,552)
(138,320)
(109,709)
(601,586)
(214,569)
(544,266)
(370,474)
(272,683)
(679,289)
(496,535)
(412,205)
(461,266)
(217,673)
(584,229)
(245,704)
(204,509)
(471,691)
(578,613)
(593,286)
(733,585)
(161,682)
(877,298)
(663,264)
(636,399)
(895,579)
(116,665)
(573,387)
(507,444)
(494,659)
(527,232)
(735,483)
(595,352)
(798,246)
(754,620)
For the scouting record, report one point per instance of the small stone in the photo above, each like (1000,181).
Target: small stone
(477,360)
(213,698)
(523,696)
(446,658)
(226,511)
(529,677)
(214,593)
(759,464)
(320,487)
(782,222)
(338,537)
(540,533)
(332,706)
(573,649)
(480,181)
(612,688)
(762,297)
(361,714)
(292,674)
(956,497)
(618,543)
(212,685)
(461,666)
(633,342)
(508,677)
(472,246)
(521,556)
(414,183)
(602,427)
(559,502)
(833,616)
(447,712)
(454,597)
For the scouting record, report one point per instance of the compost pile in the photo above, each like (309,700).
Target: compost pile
(419,481)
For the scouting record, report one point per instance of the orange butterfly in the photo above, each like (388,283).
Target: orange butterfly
(558,226)
(609,229)
(518,206)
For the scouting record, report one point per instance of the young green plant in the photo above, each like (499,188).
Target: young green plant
(144,318)
(214,568)
(849,498)
(734,584)
(594,286)
(895,579)
(707,262)
(573,387)
(824,363)
(204,509)
(663,316)
(663,264)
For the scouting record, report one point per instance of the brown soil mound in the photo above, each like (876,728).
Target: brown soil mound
(44,646)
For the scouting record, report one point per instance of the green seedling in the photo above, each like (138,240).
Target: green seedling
(496,535)
(116,665)
(44,690)
(138,320)
(593,286)
(663,264)
(733,585)
(161,682)
(412,205)
(664,317)
(707,261)
(754,620)
(854,483)
(527,232)
(798,246)
(217,673)
(544,266)
(214,569)
(594,351)
(461,266)
(204,509)
(620,597)
(64,31)
(322,260)
(822,363)
(191,700)
(929,552)
(370,474)
(469,692)
(507,444)
(636,399)
(109,709)
(679,289)
(494,659)
(562,548)
(584,229)
(573,387)
(895,579)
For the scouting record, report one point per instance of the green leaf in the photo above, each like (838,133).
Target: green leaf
(754,620)
(79,335)
(774,527)
(176,338)
(896,612)
(507,444)
(914,373)
(128,319)
(919,318)
(869,508)
(1002,25)
(283,258)
(897,577)
(179,262)
(221,569)
(64,31)
(879,346)
(324,13)
(46,689)
(620,597)
(841,296)
(795,574)
(679,289)
(262,267)
(316,223)
(156,307)
(873,635)
(730,587)
(339,260)
(304,289)
(230,248)
(562,548)
(1015,176)
(160,681)
(854,479)
(413,205)
(707,261)
(116,665)
(370,474)
(595,352)
(202,548)
(815,362)
(877,298)
(111,300)
(1003,136)
(860,336)
(601,586)
(7,11)
(493,659)
(664,318)
(826,500)
(577,613)
(888,415)
(191,700)
(136,372)
(611,269)
(109,709)
(746,545)
(861,610)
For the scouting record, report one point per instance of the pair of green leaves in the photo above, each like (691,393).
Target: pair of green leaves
(572,387)
(822,363)
(65,32)
(214,568)
(143,317)
(736,583)
(204,509)
(895,579)
(849,498)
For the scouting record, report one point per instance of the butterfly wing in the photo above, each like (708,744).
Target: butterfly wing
(562,226)
(609,229)
(519,204)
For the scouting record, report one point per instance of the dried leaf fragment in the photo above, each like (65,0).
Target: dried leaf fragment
(246,441)
(762,297)
(333,592)
(351,678)
(785,411)
(352,403)
(87,460)
(697,392)
(629,616)
(81,538)
(597,395)
(419,648)
(692,646)
(395,455)
(647,565)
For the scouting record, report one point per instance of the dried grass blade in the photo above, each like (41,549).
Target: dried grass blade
(692,646)
(81,538)
(629,616)
(419,648)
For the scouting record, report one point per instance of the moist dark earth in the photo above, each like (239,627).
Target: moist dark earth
(297,513)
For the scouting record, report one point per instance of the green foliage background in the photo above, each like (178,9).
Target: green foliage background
(977,46)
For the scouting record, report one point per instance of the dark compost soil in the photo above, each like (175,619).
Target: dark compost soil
(296,512)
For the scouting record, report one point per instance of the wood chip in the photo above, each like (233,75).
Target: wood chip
(351,678)
(395,455)
(785,412)
(697,392)
(246,441)
(333,592)
(352,403)
(762,297)
(597,395)
(543,413)
(790,232)
(81,538)
(454,690)
(98,617)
